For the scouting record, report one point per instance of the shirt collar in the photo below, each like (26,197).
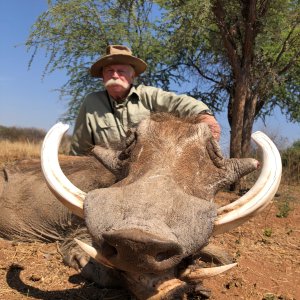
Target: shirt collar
(133,92)
(132,96)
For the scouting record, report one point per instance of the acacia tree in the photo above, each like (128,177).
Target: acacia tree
(243,55)
(248,53)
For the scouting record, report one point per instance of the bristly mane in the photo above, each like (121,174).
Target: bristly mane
(165,117)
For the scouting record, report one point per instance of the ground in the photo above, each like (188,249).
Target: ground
(267,249)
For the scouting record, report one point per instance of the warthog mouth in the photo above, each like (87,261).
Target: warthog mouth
(123,247)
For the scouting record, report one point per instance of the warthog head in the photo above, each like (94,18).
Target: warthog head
(162,211)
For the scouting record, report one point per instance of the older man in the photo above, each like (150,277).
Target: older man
(105,116)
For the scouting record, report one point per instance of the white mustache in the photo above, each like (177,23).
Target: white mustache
(116,82)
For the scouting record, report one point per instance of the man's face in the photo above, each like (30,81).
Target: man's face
(117,80)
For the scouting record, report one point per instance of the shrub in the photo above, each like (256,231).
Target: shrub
(17,134)
(291,163)
(24,143)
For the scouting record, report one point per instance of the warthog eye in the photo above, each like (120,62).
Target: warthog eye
(109,250)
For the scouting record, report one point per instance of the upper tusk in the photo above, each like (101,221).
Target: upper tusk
(92,252)
(202,273)
(59,184)
(260,195)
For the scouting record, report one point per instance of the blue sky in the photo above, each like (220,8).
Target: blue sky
(25,99)
(28,101)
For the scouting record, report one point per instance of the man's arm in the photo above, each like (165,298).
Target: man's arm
(82,139)
(181,105)
(213,124)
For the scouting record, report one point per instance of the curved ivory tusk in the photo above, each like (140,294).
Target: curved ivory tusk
(202,273)
(93,253)
(57,182)
(259,196)
(165,287)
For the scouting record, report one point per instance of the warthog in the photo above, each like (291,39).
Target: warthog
(30,212)
(148,230)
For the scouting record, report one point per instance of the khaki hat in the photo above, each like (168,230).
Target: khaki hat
(117,54)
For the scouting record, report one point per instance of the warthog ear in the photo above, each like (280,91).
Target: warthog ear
(108,157)
(231,169)
(130,142)
(215,154)
(116,160)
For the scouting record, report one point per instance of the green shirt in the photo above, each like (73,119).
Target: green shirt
(103,121)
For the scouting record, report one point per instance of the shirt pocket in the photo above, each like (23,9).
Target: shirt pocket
(104,123)
(108,132)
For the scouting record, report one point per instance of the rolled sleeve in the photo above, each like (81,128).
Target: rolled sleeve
(180,105)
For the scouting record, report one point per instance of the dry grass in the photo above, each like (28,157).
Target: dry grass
(11,151)
(17,150)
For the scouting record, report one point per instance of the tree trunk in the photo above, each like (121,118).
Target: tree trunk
(249,115)
(242,121)
(242,108)
(237,118)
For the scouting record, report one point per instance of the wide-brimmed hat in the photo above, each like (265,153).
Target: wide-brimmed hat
(118,54)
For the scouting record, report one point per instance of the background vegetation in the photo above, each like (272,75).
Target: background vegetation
(242,57)
(291,162)
(25,143)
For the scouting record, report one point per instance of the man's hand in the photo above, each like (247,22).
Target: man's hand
(213,125)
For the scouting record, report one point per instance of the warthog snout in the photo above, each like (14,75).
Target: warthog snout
(137,249)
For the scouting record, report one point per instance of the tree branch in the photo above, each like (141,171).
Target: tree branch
(263,8)
(250,32)
(192,64)
(289,64)
(284,45)
(227,37)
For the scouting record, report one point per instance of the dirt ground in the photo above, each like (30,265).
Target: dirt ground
(267,250)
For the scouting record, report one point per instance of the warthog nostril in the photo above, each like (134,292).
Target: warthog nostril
(164,256)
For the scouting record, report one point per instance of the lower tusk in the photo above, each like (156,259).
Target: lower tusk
(93,253)
(202,273)
(58,183)
(165,287)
